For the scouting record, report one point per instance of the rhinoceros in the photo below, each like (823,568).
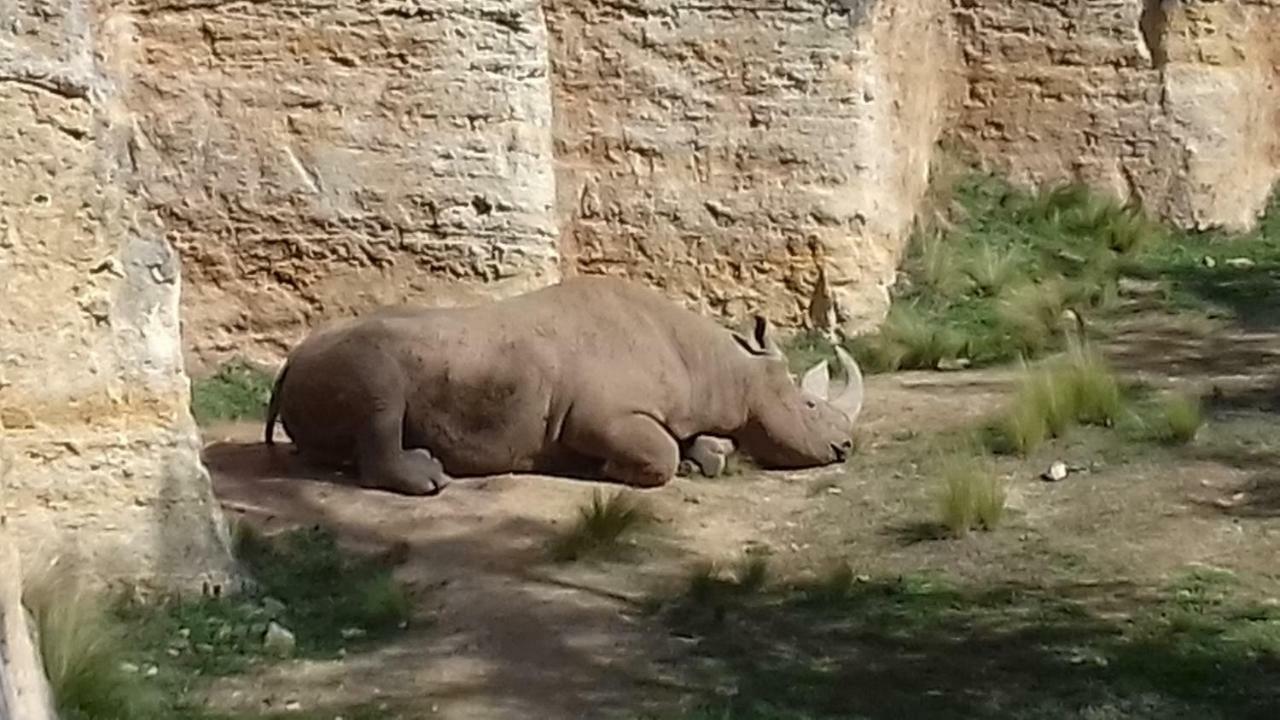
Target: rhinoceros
(594,376)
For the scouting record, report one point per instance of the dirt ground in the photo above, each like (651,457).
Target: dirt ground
(500,632)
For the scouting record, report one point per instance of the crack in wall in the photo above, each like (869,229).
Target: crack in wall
(1153,24)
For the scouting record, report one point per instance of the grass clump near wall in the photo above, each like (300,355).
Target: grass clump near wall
(239,390)
(84,650)
(127,660)
(995,277)
(302,580)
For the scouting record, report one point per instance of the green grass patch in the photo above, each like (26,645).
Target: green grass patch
(1180,418)
(713,589)
(924,647)
(1003,273)
(239,390)
(329,600)
(971,495)
(1225,274)
(601,526)
(84,650)
(123,660)
(993,278)
(1055,396)
(996,283)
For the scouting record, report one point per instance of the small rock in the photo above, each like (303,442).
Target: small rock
(833,490)
(953,363)
(152,671)
(184,632)
(352,632)
(1232,501)
(1133,287)
(129,668)
(278,640)
(1057,471)
(1239,263)
(1209,262)
(205,648)
(272,606)
(173,652)
(293,706)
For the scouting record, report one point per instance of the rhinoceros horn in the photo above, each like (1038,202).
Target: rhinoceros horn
(817,382)
(849,401)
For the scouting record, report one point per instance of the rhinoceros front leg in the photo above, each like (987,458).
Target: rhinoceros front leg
(384,463)
(710,454)
(636,449)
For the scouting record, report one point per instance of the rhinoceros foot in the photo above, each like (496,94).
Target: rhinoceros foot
(710,454)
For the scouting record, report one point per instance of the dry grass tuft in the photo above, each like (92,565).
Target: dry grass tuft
(601,525)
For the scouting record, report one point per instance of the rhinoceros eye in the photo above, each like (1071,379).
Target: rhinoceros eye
(810,404)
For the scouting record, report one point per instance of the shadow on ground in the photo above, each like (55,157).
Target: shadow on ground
(908,649)
(499,631)
(1251,295)
(1165,348)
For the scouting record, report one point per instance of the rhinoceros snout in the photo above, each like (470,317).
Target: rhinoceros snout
(842,450)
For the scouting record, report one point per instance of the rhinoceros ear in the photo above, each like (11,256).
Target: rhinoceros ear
(760,341)
(817,381)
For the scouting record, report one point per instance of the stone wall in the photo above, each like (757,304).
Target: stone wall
(759,155)
(312,159)
(1176,104)
(102,454)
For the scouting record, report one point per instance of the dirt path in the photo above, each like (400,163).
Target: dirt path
(502,633)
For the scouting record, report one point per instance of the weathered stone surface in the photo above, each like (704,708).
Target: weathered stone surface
(1174,103)
(93,396)
(312,159)
(756,155)
(24,689)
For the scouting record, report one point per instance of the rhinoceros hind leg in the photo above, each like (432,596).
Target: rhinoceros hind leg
(384,463)
(636,449)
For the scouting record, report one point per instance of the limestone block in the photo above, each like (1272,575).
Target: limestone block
(1173,104)
(310,160)
(754,156)
(93,395)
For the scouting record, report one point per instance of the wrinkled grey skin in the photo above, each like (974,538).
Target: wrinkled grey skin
(596,377)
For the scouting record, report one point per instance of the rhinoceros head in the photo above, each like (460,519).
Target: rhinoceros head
(790,426)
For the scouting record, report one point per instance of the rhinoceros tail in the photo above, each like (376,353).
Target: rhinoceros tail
(273,407)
